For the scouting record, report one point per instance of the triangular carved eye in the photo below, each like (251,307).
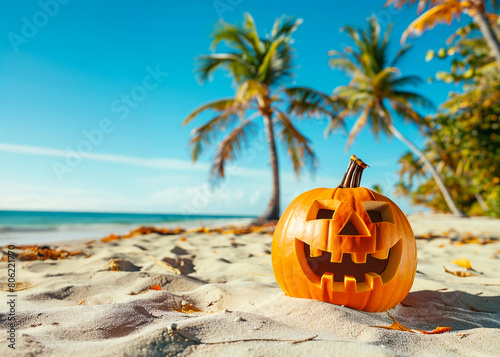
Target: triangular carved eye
(379,211)
(322,209)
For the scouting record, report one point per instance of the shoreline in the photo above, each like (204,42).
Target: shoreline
(82,232)
(445,225)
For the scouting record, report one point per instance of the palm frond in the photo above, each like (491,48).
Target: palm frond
(401,54)
(354,33)
(204,134)
(284,26)
(234,37)
(412,97)
(406,111)
(380,79)
(406,81)
(305,101)
(354,97)
(336,123)
(440,13)
(421,3)
(229,147)
(233,63)
(268,60)
(297,145)
(358,125)
(347,65)
(222,105)
(250,29)
(410,167)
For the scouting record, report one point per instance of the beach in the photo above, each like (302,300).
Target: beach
(212,292)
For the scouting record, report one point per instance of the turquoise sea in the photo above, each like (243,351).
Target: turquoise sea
(39,227)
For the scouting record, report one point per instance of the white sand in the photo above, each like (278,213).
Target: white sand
(244,312)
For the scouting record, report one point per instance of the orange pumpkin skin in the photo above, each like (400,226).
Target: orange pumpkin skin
(301,230)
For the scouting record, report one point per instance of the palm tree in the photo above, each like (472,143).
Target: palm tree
(445,10)
(260,68)
(376,87)
(410,168)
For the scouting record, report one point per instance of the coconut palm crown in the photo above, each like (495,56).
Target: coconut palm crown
(261,69)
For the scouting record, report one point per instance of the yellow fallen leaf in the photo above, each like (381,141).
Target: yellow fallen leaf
(110,238)
(462,262)
(438,329)
(188,309)
(462,274)
(397,326)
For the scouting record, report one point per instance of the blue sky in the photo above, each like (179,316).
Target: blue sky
(70,68)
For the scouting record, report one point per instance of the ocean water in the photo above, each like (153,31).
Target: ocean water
(36,227)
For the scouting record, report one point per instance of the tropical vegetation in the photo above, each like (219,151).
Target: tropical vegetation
(464,133)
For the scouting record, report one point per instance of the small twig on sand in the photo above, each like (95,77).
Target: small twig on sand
(199,342)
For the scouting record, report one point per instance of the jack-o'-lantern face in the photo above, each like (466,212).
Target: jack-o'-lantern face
(348,246)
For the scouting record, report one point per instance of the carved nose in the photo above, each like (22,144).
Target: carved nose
(354,226)
(349,230)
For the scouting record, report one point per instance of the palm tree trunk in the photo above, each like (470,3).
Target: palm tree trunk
(481,202)
(428,165)
(272,212)
(490,37)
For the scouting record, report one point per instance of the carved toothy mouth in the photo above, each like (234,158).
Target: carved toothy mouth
(364,271)
(322,264)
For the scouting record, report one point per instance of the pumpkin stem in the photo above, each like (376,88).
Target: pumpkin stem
(352,177)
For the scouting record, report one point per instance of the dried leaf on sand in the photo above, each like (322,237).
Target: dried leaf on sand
(34,252)
(266,228)
(187,309)
(428,236)
(121,265)
(397,326)
(439,329)
(142,231)
(462,274)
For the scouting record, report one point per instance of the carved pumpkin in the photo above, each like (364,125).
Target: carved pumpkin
(347,245)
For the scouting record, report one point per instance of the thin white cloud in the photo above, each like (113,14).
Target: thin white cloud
(235,169)
(166,164)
